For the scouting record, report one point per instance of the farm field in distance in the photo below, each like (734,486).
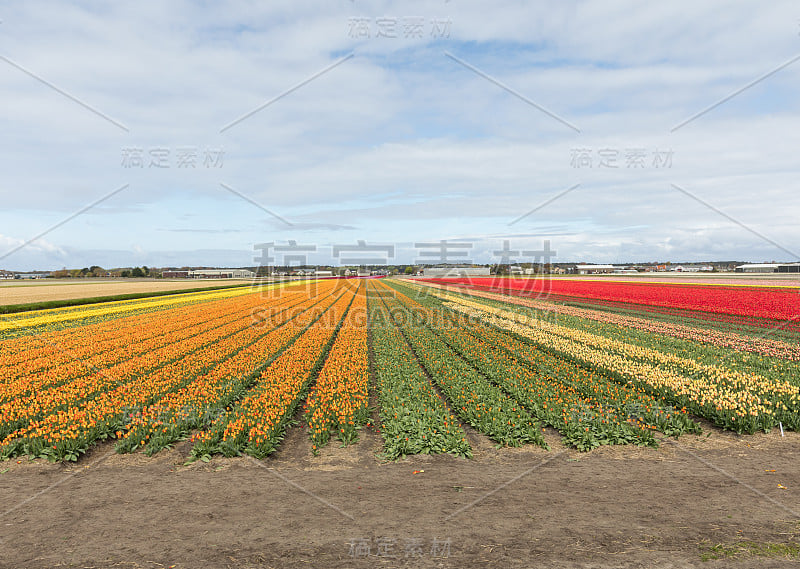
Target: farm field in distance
(42,290)
(396,409)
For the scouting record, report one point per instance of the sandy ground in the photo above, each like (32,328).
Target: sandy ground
(19,292)
(614,507)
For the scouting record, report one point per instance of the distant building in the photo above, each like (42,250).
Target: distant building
(222,274)
(758,268)
(175,274)
(31,275)
(323,273)
(789,268)
(594,269)
(455,272)
(692,268)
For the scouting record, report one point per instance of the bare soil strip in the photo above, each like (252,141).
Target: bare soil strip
(15,294)
(617,507)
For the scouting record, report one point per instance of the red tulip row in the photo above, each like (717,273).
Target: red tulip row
(762,302)
(766,346)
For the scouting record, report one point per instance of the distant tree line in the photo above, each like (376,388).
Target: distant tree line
(142,271)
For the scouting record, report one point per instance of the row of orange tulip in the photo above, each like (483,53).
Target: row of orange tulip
(72,361)
(63,422)
(47,348)
(256,424)
(75,386)
(96,343)
(338,401)
(43,321)
(206,398)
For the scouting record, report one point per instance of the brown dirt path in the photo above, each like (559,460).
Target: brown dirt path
(614,507)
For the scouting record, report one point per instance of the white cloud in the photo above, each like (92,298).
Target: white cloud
(399,143)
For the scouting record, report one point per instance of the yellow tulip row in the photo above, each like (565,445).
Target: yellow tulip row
(723,338)
(726,396)
(60,315)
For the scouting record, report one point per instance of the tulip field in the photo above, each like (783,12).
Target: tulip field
(732,308)
(771,303)
(430,364)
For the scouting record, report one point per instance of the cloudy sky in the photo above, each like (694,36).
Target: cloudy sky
(185,133)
